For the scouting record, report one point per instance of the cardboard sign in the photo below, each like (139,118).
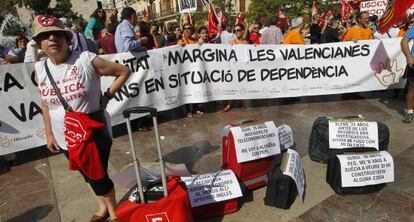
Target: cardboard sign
(186,6)
(366,169)
(293,167)
(375,7)
(285,136)
(212,187)
(257,141)
(350,134)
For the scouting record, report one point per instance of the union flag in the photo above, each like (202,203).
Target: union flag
(396,12)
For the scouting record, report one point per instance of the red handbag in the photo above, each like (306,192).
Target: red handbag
(174,207)
(83,153)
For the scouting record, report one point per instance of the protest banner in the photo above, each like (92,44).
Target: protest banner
(294,169)
(366,169)
(256,141)
(375,7)
(212,187)
(169,77)
(186,6)
(351,134)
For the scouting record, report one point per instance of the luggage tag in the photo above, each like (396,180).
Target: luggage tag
(363,169)
(292,166)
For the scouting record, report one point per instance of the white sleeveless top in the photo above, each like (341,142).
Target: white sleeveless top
(79,85)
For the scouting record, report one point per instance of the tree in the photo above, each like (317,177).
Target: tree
(39,6)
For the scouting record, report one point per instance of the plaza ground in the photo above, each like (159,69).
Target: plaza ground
(40,188)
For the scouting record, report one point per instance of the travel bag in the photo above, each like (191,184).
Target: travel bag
(251,174)
(360,174)
(281,190)
(173,204)
(319,149)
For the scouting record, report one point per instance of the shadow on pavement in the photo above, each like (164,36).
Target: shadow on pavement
(34,214)
(189,155)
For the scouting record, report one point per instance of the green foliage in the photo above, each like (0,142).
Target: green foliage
(199,18)
(63,8)
(14,29)
(39,6)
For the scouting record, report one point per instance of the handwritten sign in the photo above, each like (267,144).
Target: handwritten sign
(254,142)
(366,169)
(294,169)
(350,134)
(285,136)
(212,187)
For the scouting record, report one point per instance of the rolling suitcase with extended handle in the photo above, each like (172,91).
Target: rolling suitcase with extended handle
(173,204)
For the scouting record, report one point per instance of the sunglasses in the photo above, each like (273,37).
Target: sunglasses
(187,28)
(46,35)
(238,30)
(203,33)
(255,27)
(100,11)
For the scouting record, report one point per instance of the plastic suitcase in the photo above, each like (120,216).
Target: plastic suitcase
(334,179)
(252,174)
(173,204)
(281,189)
(319,139)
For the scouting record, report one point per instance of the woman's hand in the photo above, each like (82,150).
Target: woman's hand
(52,145)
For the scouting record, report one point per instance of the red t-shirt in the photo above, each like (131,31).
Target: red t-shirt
(107,43)
(255,38)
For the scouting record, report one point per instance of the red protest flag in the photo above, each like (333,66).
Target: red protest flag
(346,9)
(239,19)
(395,13)
(145,16)
(212,22)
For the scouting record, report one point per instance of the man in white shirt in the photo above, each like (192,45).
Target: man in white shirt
(273,34)
(227,35)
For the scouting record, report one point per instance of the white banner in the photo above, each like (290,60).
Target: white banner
(285,136)
(212,187)
(173,76)
(256,141)
(294,169)
(186,6)
(366,169)
(375,7)
(351,134)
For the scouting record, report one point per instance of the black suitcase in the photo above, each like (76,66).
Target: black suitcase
(319,139)
(334,179)
(281,189)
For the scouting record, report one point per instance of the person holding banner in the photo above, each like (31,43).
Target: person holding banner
(409,73)
(77,79)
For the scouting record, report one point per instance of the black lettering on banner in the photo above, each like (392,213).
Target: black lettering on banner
(10,82)
(332,52)
(136,63)
(249,75)
(127,91)
(33,78)
(205,55)
(152,85)
(262,55)
(303,73)
(34,109)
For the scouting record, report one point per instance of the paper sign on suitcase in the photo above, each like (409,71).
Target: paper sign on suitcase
(213,194)
(248,150)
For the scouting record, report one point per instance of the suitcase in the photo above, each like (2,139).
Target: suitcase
(251,174)
(173,204)
(281,189)
(334,179)
(319,139)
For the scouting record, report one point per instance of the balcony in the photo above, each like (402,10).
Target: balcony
(164,14)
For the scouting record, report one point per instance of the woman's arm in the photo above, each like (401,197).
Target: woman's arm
(51,141)
(106,68)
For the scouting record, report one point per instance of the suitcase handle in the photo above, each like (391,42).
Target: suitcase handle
(152,111)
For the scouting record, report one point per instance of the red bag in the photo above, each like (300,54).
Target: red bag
(216,209)
(173,208)
(252,174)
(83,153)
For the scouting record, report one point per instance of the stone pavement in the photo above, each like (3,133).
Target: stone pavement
(41,188)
